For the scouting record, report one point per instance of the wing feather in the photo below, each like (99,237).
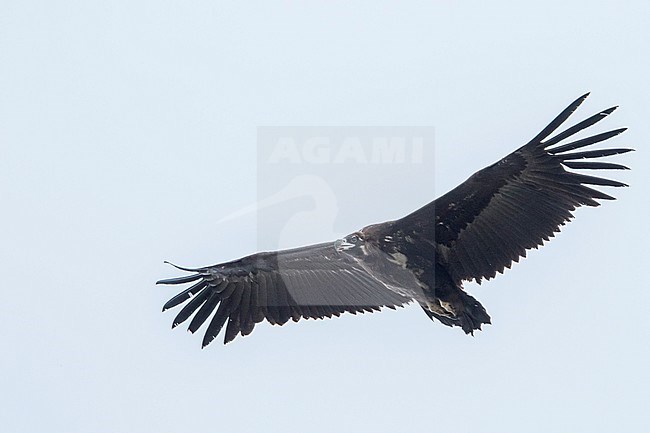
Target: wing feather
(259,309)
(217,322)
(204,312)
(245,320)
(310,282)
(234,320)
(272,313)
(191,307)
(184,295)
(580,126)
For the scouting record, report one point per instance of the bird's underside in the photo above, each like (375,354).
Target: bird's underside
(471,233)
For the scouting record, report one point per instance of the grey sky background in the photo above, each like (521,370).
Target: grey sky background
(128,129)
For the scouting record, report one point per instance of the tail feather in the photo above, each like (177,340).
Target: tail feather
(457,308)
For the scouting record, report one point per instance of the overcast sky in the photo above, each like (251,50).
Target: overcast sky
(129,129)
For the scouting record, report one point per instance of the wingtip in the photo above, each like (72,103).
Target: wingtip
(206,342)
(575,104)
(579,101)
(609,111)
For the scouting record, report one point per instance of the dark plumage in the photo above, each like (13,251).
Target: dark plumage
(471,233)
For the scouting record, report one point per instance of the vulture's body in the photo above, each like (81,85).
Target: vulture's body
(471,233)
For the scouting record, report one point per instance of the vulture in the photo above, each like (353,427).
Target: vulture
(473,232)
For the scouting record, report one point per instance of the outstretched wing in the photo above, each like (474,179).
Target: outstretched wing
(490,220)
(310,282)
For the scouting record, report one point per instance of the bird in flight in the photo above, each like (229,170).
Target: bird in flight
(470,233)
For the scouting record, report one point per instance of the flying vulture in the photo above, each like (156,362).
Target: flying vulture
(472,232)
